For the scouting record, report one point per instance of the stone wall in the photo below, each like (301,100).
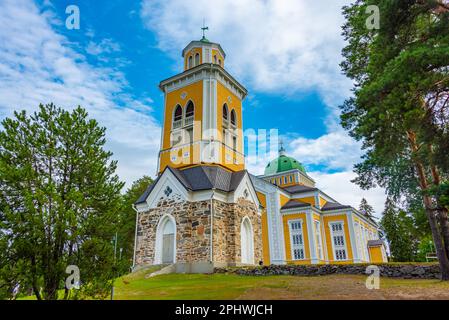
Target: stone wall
(407,271)
(193,231)
(227,224)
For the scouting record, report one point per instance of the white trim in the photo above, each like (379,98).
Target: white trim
(334,258)
(303,245)
(355,253)
(311,238)
(204,71)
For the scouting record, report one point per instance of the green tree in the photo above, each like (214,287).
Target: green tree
(399,107)
(398,229)
(59,199)
(127,222)
(366,208)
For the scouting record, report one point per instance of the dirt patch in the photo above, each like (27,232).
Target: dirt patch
(347,287)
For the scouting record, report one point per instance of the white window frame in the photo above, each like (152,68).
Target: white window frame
(338,233)
(293,233)
(318,239)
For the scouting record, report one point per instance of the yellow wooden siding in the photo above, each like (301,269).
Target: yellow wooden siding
(375,254)
(326,221)
(305,233)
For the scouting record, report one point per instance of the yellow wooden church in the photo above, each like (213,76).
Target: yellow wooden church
(204,210)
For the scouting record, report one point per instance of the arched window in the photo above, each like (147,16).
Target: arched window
(246,242)
(215,59)
(190,110)
(190,62)
(177,117)
(233,118)
(225,112)
(197,59)
(219,62)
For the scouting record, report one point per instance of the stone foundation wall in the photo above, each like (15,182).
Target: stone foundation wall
(407,271)
(193,231)
(227,225)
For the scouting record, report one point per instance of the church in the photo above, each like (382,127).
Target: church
(204,210)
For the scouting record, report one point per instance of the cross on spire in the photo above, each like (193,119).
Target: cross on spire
(204,28)
(281,147)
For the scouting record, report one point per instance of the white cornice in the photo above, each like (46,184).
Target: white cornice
(205,71)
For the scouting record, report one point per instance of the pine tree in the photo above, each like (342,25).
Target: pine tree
(366,209)
(399,107)
(127,221)
(398,228)
(59,199)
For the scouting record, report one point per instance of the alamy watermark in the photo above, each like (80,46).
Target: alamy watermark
(72,22)
(373,280)
(73,280)
(373,21)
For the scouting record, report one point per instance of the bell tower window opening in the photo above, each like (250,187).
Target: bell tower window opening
(177,117)
(197,59)
(225,114)
(233,118)
(190,111)
(189,65)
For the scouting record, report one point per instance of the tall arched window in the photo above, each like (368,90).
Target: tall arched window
(246,242)
(215,59)
(197,59)
(177,117)
(233,118)
(190,62)
(225,112)
(190,110)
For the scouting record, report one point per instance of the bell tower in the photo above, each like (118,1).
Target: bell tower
(203,117)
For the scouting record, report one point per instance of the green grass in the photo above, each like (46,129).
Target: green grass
(189,286)
(231,286)
(136,286)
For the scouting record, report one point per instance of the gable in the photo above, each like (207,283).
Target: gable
(167,186)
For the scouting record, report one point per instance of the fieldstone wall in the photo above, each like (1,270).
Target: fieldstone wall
(228,219)
(407,271)
(193,231)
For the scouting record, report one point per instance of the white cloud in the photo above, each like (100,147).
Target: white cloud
(281,46)
(286,47)
(37,66)
(334,150)
(338,186)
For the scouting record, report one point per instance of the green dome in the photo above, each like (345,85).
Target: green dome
(283,163)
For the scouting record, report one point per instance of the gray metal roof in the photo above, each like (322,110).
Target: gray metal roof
(147,192)
(299,189)
(295,204)
(334,206)
(375,243)
(202,178)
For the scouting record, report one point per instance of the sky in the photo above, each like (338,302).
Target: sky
(286,53)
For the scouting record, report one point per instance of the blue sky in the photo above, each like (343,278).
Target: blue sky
(286,53)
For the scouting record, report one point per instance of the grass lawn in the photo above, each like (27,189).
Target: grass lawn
(226,286)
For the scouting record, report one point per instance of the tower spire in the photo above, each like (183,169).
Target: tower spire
(204,28)
(281,148)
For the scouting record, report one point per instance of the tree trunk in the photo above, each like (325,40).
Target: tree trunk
(441,212)
(436,235)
